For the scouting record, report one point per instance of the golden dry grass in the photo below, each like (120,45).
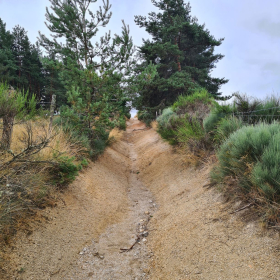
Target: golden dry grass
(154,125)
(116,134)
(29,184)
(59,142)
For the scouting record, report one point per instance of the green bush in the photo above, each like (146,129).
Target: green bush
(122,123)
(218,112)
(225,127)
(146,116)
(168,134)
(252,110)
(197,105)
(66,171)
(94,140)
(188,130)
(266,173)
(251,156)
(98,141)
(201,96)
(164,119)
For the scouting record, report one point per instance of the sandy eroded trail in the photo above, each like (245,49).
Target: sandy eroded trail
(140,190)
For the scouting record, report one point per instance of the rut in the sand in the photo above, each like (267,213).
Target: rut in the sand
(107,257)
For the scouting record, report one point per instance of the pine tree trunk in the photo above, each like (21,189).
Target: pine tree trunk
(8,123)
(178,43)
(53,103)
(179,64)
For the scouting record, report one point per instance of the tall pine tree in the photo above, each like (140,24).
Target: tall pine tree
(182,51)
(92,70)
(7,60)
(20,61)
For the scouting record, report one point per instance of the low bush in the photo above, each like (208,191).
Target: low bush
(188,130)
(146,116)
(168,134)
(217,113)
(197,105)
(225,128)
(94,140)
(252,110)
(164,119)
(181,124)
(251,156)
(122,123)
(65,171)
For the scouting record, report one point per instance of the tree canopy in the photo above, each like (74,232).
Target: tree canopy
(181,50)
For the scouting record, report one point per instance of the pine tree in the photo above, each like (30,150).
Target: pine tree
(20,61)
(181,49)
(92,71)
(52,81)
(7,62)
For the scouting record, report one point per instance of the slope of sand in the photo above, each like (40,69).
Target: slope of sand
(140,193)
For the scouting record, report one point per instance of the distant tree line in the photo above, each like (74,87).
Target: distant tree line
(94,78)
(23,66)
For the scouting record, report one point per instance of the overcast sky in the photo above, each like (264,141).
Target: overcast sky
(251,29)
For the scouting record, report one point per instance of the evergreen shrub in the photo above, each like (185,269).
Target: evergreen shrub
(164,119)
(189,130)
(217,113)
(225,127)
(122,123)
(196,105)
(251,155)
(146,116)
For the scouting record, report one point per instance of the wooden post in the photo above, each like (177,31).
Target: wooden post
(52,113)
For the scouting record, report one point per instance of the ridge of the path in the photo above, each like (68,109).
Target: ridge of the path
(140,196)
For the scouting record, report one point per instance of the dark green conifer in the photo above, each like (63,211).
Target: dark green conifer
(182,50)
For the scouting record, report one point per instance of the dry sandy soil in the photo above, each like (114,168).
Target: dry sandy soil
(140,196)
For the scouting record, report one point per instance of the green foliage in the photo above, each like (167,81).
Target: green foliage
(94,139)
(16,103)
(265,173)
(226,127)
(189,130)
(196,105)
(98,141)
(20,64)
(84,162)
(122,123)
(252,110)
(168,134)
(182,51)
(146,116)
(201,95)
(216,115)
(66,171)
(185,125)
(251,156)
(164,119)
(166,124)
(96,92)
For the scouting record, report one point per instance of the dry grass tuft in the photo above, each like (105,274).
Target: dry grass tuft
(115,135)
(31,173)
(154,125)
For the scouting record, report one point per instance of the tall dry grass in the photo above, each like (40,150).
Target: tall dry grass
(32,172)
